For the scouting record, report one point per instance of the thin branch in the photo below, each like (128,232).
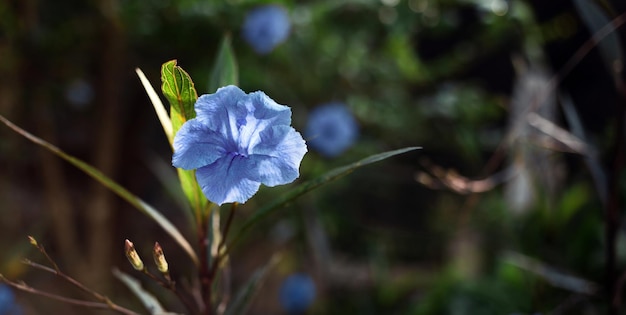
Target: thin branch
(67,278)
(40,247)
(97,305)
(573,143)
(439,178)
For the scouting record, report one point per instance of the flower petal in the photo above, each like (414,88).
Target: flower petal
(276,160)
(263,112)
(226,180)
(195,145)
(223,111)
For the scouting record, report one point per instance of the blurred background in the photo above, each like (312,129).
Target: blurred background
(501,212)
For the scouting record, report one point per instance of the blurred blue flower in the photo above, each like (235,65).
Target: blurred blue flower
(7,301)
(265,27)
(331,129)
(237,142)
(297,293)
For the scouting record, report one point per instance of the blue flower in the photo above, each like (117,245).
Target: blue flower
(331,129)
(265,27)
(7,301)
(237,142)
(297,293)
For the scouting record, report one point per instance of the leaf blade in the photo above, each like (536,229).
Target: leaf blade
(160,110)
(241,302)
(610,46)
(149,301)
(313,184)
(225,70)
(112,186)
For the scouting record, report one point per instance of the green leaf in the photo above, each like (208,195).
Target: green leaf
(111,185)
(225,68)
(192,191)
(160,110)
(179,90)
(242,300)
(312,184)
(147,299)
(610,46)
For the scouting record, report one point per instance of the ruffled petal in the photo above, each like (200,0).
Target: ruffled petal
(262,113)
(227,180)
(223,111)
(195,145)
(276,160)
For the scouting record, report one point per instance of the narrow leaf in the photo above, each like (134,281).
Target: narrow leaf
(610,47)
(596,169)
(111,185)
(312,184)
(192,190)
(241,302)
(160,110)
(147,299)
(225,68)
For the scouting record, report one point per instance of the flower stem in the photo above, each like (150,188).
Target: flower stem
(203,272)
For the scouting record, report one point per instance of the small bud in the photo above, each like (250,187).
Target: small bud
(32,240)
(159,258)
(132,255)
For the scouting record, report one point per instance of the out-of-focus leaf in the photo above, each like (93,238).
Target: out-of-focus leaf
(214,234)
(225,68)
(147,299)
(242,300)
(312,184)
(610,47)
(168,178)
(111,185)
(179,90)
(591,156)
(555,277)
(160,110)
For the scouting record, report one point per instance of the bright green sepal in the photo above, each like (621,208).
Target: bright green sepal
(180,92)
(225,70)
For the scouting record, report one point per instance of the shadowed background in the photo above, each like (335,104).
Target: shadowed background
(499,213)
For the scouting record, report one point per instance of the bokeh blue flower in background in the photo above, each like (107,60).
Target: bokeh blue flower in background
(297,293)
(265,27)
(331,129)
(237,142)
(7,301)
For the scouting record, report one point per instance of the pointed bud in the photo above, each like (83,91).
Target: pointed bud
(32,240)
(132,255)
(159,258)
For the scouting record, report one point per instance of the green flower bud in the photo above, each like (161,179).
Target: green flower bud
(159,258)
(132,255)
